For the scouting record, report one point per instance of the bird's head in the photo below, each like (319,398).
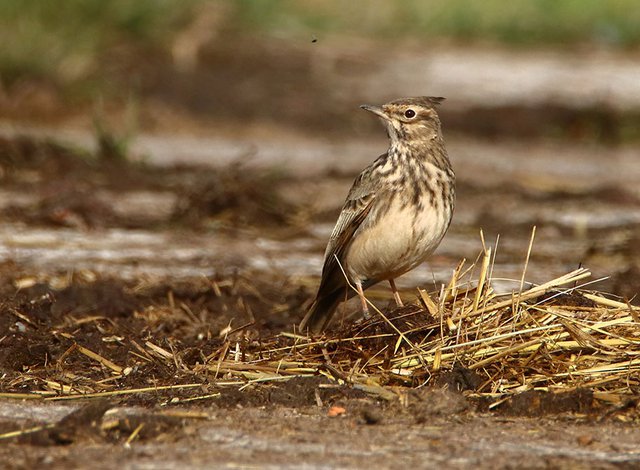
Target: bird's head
(409,119)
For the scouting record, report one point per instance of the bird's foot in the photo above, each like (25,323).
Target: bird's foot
(365,313)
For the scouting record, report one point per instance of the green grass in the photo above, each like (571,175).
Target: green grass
(528,22)
(65,40)
(73,41)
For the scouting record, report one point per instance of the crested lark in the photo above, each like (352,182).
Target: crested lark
(396,212)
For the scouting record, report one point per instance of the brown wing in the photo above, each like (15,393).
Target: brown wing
(333,286)
(354,212)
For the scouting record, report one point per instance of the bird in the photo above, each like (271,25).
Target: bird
(395,214)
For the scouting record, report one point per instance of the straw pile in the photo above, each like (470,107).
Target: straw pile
(542,338)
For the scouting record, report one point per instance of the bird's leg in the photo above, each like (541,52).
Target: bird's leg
(363,299)
(396,294)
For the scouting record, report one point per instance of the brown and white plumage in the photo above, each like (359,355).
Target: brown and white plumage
(396,213)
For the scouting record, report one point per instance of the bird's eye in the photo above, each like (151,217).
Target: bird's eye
(409,113)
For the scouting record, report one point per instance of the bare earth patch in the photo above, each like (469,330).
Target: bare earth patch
(109,370)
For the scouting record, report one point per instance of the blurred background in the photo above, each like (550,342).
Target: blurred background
(528,67)
(542,121)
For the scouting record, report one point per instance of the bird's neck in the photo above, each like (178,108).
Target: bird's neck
(426,151)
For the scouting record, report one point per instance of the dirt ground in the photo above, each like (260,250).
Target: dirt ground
(436,429)
(164,329)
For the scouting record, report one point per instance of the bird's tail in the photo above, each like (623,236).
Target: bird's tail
(321,311)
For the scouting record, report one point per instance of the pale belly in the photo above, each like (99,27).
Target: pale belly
(399,242)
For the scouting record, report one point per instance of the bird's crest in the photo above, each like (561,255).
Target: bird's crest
(425,101)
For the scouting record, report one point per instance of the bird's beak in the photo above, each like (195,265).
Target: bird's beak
(377,110)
